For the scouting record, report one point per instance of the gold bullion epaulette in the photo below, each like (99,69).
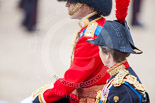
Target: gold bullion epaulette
(124,76)
(135,83)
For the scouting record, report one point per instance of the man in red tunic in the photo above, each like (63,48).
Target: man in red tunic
(86,74)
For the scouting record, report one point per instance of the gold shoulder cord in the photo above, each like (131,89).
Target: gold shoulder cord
(77,35)
(73,44)
(89,32)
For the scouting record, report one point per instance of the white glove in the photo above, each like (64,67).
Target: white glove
(27,100)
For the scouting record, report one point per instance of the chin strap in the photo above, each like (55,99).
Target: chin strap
(76,8)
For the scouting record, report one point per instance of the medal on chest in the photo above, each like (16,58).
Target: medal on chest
(102,96)
(105,93)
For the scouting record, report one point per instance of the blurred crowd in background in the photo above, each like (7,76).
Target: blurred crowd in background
(30,10)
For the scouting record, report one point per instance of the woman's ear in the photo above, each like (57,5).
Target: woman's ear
(108,56)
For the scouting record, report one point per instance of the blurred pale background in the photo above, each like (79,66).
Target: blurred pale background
(30,60)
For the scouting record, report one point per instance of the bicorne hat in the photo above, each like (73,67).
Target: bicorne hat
(102,7)
(117,36)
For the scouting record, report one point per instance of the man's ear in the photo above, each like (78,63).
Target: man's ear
(87,8)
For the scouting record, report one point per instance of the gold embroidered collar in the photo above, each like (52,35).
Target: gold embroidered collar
(85,21)
(116,68)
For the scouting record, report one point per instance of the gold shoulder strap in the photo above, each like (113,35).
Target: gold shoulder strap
(91,29)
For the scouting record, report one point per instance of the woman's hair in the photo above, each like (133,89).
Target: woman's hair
(118,56)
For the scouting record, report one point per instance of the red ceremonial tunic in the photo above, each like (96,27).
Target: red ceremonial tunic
(86,70)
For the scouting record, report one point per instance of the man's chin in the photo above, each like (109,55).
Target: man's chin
(72,17)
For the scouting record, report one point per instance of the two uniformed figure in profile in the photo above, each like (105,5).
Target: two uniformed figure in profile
(99,71)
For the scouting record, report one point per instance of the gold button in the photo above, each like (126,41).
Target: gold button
(116,99)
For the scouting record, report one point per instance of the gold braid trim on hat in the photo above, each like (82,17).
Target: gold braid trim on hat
(76,8)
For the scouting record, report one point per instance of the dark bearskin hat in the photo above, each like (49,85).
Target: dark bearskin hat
(103,7)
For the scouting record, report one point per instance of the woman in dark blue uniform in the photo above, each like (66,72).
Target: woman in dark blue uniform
(124,86)
(115,45)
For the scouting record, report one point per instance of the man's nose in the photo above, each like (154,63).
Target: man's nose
(67,4)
